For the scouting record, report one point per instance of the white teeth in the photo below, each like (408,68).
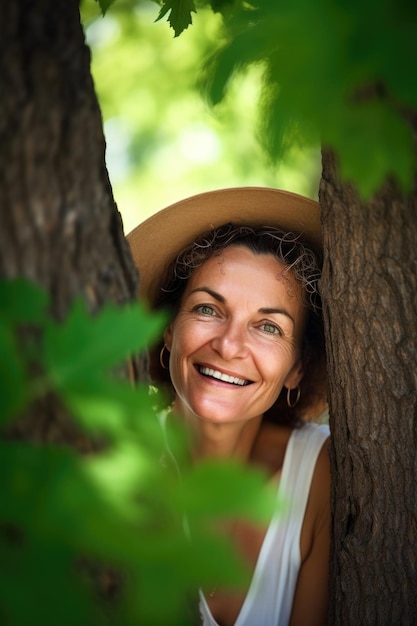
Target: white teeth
(207,371)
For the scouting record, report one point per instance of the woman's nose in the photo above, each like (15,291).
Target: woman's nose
(230,341)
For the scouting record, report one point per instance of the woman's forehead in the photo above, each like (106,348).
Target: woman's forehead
(241,267)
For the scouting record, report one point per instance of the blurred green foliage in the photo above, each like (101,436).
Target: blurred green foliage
(164,141)
(330,72)
(135,508)
(340,73)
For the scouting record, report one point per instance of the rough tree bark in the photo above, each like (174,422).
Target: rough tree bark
(370,287)
(59,223)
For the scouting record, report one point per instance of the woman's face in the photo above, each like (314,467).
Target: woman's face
(236,339)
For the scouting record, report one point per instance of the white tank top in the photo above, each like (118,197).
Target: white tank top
(271,592)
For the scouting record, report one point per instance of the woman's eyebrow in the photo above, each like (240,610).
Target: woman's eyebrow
(278,310)
(213,294)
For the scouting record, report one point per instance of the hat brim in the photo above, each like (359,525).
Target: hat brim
(157,241)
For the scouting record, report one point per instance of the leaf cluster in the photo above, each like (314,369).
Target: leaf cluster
(341,74)
(134,520)
(338,74)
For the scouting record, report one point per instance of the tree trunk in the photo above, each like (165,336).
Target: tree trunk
(59,223)
(370,307)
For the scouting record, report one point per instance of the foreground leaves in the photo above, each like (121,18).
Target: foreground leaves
(137,507)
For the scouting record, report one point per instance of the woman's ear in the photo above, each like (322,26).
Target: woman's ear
(168,336)
(296,374)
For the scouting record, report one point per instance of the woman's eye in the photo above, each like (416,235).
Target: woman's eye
(271,329)
(204,309)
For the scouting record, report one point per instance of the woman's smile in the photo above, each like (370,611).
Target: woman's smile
(222,376)
(236,339)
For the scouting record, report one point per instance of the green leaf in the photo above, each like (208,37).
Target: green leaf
(206,551)
(102,341)
(104,405)
(180,14)
(115,409)
(105,5)
(374,143)
(14,391)
(22,302)
(220,6)
(43,573)
(202,498)
(68,502)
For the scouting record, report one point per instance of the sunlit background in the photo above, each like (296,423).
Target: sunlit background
(164,142)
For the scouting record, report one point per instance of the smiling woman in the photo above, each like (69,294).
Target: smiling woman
(238,320)
(243,355)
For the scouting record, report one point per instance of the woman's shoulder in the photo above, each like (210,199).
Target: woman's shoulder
(312,433)
(272,442)
(312,441)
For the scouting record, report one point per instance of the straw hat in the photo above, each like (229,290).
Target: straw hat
(156,242)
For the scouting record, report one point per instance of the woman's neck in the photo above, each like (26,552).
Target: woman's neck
(222,440)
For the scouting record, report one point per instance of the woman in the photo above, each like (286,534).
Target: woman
(244,357)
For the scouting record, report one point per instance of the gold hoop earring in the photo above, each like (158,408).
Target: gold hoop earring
(161,357)
(293,403)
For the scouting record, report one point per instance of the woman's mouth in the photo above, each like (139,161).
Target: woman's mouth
(211,373)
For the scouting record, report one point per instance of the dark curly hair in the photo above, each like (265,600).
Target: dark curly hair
(299,260)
